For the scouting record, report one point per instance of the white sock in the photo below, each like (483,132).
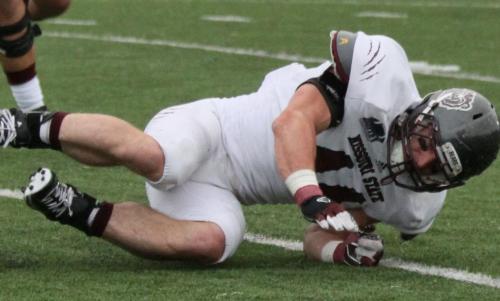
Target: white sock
(92,215)
(45,132)
(28,95)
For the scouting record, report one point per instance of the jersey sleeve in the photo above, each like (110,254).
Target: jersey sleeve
(380,74)
(409,212)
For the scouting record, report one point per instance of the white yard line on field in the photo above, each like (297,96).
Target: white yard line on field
(430,4)
(381,14)
(183,45)
(447,71)
(448,273)
(226,18)
(72,22)
(11,194)
(389,3)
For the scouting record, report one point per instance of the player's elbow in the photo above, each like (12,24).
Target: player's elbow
(279,124)
(285,121)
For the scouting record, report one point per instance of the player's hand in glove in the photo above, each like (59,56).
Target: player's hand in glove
(328,214)
(360,249)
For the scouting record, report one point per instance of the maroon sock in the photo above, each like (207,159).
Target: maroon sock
(55,127)
(101,219)
(22,76)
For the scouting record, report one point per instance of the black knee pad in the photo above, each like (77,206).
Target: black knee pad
(20,46)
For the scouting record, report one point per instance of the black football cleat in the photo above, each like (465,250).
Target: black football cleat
(59,201)
(19,129)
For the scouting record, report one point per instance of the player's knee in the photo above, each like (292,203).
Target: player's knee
(155,169)
(210,244)
(48,9)
(180,162)
(60,6)
(16,38)
(7,9)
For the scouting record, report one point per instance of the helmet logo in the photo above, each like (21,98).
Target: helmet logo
(460,100)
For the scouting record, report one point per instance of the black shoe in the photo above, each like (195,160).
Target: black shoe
(18,129)
(59,201)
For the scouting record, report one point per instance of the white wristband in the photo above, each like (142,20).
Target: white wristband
(328,249)
(301,178)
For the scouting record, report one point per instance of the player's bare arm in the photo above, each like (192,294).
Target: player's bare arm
(310,112)
(296,128)
(295,143)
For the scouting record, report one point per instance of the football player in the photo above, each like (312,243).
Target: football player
(17,53)
(351,142)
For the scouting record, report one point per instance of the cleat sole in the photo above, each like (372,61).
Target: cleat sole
(38,182)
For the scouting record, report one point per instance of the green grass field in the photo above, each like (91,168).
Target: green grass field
(166,60)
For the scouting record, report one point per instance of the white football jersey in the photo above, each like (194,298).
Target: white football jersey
(246,123)
(351,157)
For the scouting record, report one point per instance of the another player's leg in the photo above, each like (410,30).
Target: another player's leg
(17,54)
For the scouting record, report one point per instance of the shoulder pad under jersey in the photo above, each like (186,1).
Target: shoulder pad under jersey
(342,51)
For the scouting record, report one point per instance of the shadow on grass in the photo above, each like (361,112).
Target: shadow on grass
(84,254)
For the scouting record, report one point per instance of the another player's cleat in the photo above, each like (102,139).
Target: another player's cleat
(59,201)
(7,128)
